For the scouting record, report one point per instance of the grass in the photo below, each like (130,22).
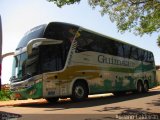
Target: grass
(5,95)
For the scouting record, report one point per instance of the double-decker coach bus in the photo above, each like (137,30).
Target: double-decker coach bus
(60,60)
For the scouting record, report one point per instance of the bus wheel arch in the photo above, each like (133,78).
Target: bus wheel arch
(80,90)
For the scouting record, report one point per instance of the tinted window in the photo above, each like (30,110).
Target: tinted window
(134,53)
(149,57)
(127,51)
(120,47)
(31,67)
(141,54)
(86,42)
(110,46)
(61,31)
(145,56)
(36,32)
(91,42)
(51,58)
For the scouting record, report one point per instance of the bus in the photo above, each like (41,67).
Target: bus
(62,60)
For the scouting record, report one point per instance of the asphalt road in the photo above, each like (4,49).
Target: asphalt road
(102,107)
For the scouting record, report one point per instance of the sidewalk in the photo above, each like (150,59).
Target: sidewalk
(37,101)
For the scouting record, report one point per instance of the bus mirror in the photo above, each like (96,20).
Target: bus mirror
(41,41)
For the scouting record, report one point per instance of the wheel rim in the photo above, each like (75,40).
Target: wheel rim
(79,91)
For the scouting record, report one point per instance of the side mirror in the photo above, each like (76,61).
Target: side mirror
(40,41)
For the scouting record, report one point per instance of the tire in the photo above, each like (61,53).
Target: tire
(146,87)
(52,99)
(79,92)
(139,87)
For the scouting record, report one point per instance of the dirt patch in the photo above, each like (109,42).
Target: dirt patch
(156,88)
(19,102)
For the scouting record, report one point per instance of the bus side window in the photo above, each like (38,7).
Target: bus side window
(85,42)
(134,53)
(120,48)
(103,45)
(140,55)
(81,45)
(145,56)
(109,46)
(150,58)
(127,51)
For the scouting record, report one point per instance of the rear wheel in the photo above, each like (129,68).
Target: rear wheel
(52,99)
(79,92)
(146,87)
(139,87)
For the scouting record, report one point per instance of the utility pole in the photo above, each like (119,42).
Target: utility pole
(0,52)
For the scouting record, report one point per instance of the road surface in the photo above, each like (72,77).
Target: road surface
(102,107)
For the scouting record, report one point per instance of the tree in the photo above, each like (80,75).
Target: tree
(61,3)
(140,16)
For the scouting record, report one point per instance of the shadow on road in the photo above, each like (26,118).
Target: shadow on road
(155,102)
(96,101)
(127,113)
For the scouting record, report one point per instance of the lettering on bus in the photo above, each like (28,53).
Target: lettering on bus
(112,60)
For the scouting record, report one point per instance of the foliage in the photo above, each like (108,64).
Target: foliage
(140,16)
(61,3)
(158,42)
(5,95)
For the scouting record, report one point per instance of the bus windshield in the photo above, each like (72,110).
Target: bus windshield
(24,66)
(44,58)
(18,65)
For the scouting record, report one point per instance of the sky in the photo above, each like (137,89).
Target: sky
(19,16)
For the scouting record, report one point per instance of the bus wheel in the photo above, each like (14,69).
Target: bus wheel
(79,92)
(139,87)
(146,87)
(52,99)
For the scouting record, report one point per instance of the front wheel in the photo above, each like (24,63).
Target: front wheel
(79,92)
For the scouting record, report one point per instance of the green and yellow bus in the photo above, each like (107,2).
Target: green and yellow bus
(60,60)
